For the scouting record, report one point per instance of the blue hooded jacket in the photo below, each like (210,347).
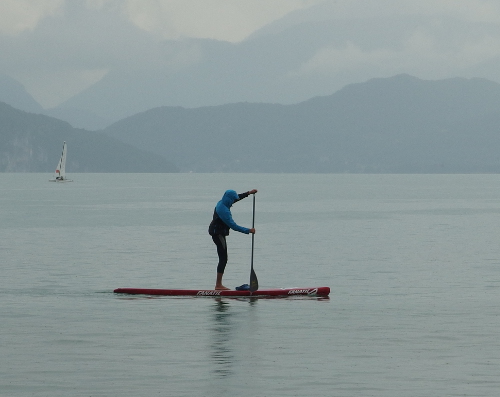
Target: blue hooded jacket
(223,211)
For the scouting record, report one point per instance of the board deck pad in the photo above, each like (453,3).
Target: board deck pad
(281,292)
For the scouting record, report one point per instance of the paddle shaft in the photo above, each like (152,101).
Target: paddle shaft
(254,283)
(253,226)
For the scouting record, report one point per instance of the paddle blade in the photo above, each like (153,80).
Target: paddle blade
(254,283)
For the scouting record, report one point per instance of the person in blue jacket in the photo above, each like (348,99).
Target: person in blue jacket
(219,228)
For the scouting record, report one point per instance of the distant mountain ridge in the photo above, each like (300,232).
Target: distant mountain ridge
(32,143)
(400,124)
(309,52)
(303,55)
(14,93)
(396,125)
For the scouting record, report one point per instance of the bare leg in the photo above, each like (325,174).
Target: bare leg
(218,283)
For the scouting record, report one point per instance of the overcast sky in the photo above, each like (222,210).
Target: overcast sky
(56,48)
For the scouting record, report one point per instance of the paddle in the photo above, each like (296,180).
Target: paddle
(254,283)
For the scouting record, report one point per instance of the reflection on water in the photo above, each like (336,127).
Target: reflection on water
(223,328)
(226,331)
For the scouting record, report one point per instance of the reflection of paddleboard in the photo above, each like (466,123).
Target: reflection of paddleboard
(314,291)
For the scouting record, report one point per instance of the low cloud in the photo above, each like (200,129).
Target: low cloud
(223,20)
(57,48)
(17,16)
(428,47)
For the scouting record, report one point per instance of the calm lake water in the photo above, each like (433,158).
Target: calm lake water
(413,262)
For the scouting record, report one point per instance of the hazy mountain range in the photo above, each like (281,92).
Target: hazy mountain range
(400,124)
(307,53)
(32,143)
(286,62)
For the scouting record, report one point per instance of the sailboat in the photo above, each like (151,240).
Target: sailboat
(60,174)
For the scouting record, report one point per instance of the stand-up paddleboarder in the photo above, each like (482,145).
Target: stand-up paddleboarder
(219,229)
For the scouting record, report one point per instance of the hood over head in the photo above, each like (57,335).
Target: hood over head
(230,196)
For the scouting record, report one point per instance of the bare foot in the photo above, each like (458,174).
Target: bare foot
(221,287)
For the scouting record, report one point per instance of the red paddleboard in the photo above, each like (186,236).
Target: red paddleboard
(283,292)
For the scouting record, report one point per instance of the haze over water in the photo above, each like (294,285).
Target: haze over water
(412,260)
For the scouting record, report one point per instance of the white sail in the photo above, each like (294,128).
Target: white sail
(60,174)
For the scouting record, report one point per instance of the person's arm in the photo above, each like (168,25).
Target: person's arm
(227,218)
(246,194)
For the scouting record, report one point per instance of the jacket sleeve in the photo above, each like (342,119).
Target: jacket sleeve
(241,196)
(227,218)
